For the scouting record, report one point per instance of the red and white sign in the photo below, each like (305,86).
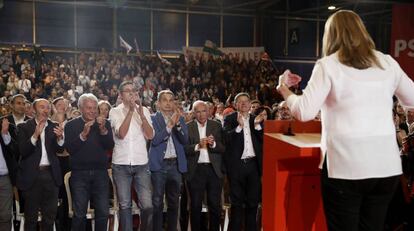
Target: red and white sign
(402,37)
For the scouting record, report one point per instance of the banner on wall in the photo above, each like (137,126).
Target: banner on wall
(253,53)
(402,37)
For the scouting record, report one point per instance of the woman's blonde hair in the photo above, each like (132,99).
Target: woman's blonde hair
(346,34)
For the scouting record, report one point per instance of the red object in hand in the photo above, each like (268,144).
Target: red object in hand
(291,79)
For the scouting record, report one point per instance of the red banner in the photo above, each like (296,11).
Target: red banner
(402,37)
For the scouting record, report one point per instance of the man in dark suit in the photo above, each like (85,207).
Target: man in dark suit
(243,161)
(204,154)
(8,166)
(167,159)
(16,117)
(39,174)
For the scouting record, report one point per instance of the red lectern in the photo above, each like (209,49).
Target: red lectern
(291,178)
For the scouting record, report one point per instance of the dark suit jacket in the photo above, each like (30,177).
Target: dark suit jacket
(13,146)
(235,144)
(31,154)
(159,143)
(215,154)
(10,161)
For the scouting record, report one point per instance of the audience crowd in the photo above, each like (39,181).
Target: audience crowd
(187,129)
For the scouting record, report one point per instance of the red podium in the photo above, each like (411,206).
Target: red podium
(291,178)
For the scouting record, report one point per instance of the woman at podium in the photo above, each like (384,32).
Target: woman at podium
(353,86)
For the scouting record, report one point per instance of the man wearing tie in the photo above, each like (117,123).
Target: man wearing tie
(167,159)
(204,154)
(39,174)
(243,161)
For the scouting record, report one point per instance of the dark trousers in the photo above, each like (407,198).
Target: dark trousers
(205,180)
(244,195)
(168,181)
(6,202)
(356,204)
(42,195)
(90,185)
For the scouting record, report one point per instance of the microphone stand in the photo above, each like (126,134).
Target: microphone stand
(289,131)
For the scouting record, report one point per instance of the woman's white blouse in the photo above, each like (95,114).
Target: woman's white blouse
(358,132)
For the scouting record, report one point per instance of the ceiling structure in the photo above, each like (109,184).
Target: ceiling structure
(317,9)
(368,9)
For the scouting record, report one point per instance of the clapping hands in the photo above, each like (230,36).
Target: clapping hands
(260,117)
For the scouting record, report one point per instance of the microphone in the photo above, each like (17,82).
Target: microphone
(289,131)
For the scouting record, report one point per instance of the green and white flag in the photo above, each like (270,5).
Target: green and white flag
(211,48)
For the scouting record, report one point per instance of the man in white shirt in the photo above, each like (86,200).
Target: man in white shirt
(243,161)
(132,128)
(24,84)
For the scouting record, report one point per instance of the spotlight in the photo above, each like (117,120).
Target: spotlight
(331,7)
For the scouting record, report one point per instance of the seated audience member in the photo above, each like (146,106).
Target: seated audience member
(283,112)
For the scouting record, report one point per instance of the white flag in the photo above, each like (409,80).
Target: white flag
(125,44)
(136,46)
(164,61)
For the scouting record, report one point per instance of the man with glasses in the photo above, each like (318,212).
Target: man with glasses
(131,124)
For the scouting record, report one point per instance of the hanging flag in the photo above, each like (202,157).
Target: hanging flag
(211,48)
(136,46)
(124,44)
(164,61)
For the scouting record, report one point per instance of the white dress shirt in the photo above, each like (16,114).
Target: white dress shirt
(170,151)
(25,85)
(132,150)
(18,121)
(248,150)
(203,158)
(358,132)
(3,166)
(44,160)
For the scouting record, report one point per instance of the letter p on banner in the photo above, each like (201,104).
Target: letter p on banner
(402,37)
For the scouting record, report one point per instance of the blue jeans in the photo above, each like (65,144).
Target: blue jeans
(141,176)
(167,180)
(6,202)
(88,185)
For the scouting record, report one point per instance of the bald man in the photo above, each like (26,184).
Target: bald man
(39,175)
(204,153)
